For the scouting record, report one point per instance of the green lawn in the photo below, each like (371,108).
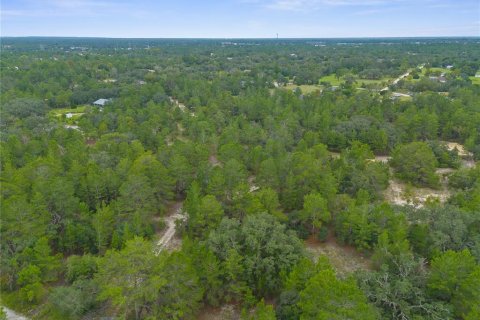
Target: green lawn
(475,80)
(306,88)
(437,70)
(62,111)
(332,78)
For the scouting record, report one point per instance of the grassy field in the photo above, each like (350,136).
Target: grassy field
(436,70)
(475,80)
(334,81)
(306,88)
(62,111)
(370,81)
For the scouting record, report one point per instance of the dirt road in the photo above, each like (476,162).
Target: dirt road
(175,213)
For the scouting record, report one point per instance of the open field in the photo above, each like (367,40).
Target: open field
(334,81)
(306,88)
(475,80)
(75,112)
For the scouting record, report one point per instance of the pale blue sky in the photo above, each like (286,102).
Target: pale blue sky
(240,18)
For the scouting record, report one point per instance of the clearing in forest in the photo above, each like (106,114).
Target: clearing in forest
(345,259)
(168,240)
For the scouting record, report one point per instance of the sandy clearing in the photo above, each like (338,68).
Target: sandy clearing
(181,106)
(12,315)
(398,193)
(461,150)
(345,259)
(167,240)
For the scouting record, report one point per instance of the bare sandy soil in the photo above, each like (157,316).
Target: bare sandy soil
(12,315)
(167,239)
(225,312)
(181,106)
(399,193)
(214,160)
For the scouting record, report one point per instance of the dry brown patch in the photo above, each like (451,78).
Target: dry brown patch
(345,259)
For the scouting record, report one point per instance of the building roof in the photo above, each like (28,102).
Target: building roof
(101,102)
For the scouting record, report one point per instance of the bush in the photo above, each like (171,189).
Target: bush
(74,301)
(81,267)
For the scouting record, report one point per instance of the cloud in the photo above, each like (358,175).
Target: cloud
(70,8)
(310,5)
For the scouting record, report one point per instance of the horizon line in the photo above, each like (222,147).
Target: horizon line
(243,38)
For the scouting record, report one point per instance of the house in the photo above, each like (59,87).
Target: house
(101,102)
(69,115)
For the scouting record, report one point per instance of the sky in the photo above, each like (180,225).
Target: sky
(240,18)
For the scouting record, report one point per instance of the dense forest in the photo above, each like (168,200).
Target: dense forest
(240,179)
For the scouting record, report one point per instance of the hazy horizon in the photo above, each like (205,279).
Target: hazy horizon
(241,19)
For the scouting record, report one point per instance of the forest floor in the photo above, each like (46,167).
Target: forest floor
(345,259)
(214,160)
(401,193)
(167,239)
(224,312)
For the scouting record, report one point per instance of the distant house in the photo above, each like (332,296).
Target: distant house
(449,66)
(101,102)
(69,115)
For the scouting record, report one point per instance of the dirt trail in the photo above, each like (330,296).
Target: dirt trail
(214,160)
(167,240)
(406,74)
(12,315)
(181,106)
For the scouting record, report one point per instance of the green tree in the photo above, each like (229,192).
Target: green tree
(326,297)
(208,216)
(29,280)
(415,163)
(315,211)
(127,278)
(262,312)
(455,278)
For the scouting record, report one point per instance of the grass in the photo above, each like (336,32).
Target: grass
(306,88)
(475,80)
(371,81)
(62,111)
(332,78)
(436,70)
(405,99)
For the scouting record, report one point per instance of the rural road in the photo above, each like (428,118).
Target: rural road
(406,74)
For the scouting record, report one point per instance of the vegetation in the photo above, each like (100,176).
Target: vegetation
(200,146)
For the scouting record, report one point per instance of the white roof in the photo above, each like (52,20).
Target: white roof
(101,102)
